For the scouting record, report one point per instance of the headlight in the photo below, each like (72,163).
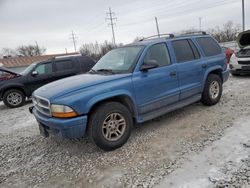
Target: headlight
(61,111)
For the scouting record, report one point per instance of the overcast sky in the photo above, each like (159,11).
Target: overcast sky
(50,22)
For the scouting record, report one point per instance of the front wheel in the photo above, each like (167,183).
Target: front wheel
(212,91)
(13,98)
(110,125)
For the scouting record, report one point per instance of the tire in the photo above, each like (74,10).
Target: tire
(212,91)
(13,98)
(103,127)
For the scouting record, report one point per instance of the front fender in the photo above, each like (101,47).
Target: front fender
(12,86)
(105,96)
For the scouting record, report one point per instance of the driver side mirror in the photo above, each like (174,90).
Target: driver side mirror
(149,64)
(34,73)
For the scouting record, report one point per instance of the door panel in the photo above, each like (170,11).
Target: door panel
(156,88)
(44,76)
(190,67)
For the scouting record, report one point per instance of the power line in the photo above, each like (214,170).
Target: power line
(111,17)
(169,13)
(73,38)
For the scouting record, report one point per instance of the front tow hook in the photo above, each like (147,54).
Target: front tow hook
(31,109)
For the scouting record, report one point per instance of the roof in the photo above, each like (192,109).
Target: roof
(12,62)
(153,39)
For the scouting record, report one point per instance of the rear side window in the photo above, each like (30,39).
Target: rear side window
(185,50)
(209,46)
(64,65)
(158,53)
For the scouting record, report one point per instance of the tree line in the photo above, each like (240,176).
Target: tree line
(225,33)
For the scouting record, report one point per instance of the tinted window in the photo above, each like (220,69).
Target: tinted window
(64,65)
(44,68)
(158,53)
(86,63)
(209,46)
(195,50)
(183,51)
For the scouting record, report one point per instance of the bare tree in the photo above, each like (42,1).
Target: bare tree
(96,50)
(8,52)
(31,50)
(226,33)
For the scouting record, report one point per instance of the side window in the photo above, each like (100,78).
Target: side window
(195,50)
(209,46)
(44,68)
(159,53)
(183,51)
(63,65)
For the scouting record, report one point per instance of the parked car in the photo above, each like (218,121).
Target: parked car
(15,88)
(240,61)
(228,52)
(130,85)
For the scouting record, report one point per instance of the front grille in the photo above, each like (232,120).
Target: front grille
(42,105)
(244,62)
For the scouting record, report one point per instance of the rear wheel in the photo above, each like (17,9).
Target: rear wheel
(13,98)
(110,125)
(212,91)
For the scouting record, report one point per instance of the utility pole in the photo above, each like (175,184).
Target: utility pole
(73,38)
(37,48)
(200,23)
(111,17)
(157,27)
(243,15)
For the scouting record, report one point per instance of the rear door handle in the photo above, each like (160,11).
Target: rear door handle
(204,66)
(172,74)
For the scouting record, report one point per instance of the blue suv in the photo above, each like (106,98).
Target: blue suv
(130,85)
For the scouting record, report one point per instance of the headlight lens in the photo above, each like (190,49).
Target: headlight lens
(61,111)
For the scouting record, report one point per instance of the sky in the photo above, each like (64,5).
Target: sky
(50,22)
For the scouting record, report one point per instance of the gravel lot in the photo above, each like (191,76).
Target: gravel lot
(156,149)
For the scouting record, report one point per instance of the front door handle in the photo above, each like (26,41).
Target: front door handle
(204,66)
(172,74)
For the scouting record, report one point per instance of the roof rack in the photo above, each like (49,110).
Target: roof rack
(158,36)
(194,33)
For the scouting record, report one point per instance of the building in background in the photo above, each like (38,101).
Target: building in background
(18,64)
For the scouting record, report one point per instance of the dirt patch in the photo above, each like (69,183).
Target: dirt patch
(154,151)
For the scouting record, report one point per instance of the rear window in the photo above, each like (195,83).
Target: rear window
(185,50)
(64,65)
(209,46)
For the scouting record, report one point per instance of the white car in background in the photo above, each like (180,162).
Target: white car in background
(240,61)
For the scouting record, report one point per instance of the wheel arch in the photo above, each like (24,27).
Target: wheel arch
(18,87)
(215,70)
(122,98)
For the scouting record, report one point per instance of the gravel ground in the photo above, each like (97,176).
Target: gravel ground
(155,150)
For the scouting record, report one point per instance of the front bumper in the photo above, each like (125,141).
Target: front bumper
(67,128)
(239,69)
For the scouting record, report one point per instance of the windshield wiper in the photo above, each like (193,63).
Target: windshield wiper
(105,70)
(93,71)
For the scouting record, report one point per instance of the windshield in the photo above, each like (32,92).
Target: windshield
(120,60)
(28,69)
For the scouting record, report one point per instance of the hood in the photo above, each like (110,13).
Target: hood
(74,83)
(243,39)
